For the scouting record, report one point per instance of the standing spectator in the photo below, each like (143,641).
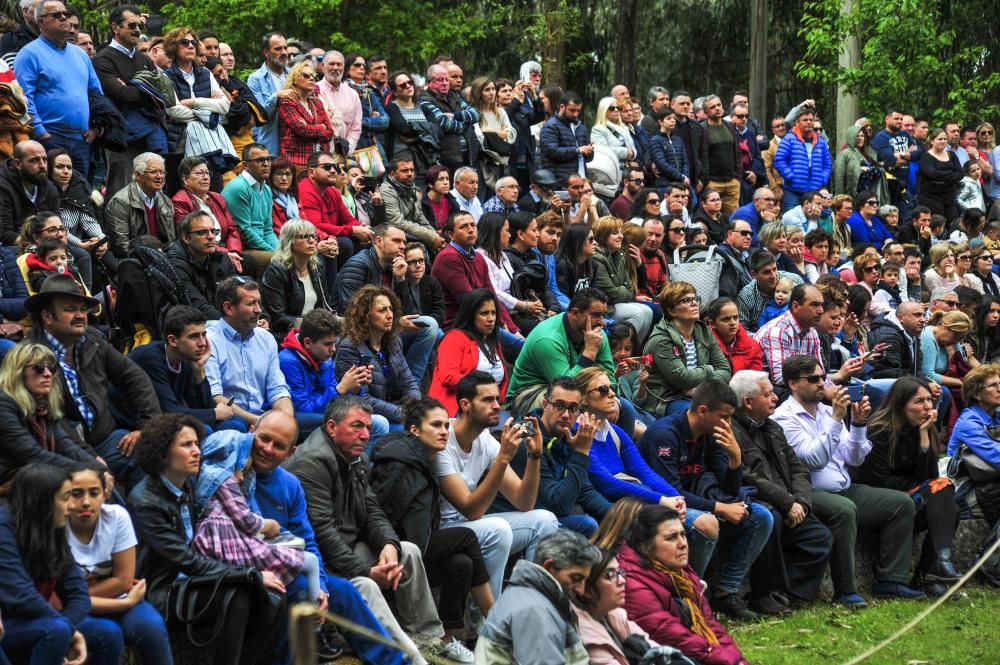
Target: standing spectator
(342,103)
(267,85)
(250,202)
(693,135)
(774,179)
(293,283)
(751,163)
(402,207)
(117,64)
(303,125)
(25,32)
(722,170)
(494,131)
(199,266)
(803,160)
(610,132)
(457,120)
(668,152)
(411,128)
(142,208)
(196,195)
(971,194)
(57,78)
(564,144)
(525,109)
(896,149)
(374,120)
(857,168)
(938,176)
(25,189)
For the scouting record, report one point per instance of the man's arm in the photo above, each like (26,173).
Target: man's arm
(132,381)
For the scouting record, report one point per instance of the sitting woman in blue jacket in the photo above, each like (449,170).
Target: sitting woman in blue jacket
(669,153)
(36,567)
(981,392)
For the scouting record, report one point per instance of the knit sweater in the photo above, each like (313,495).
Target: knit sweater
(251,210)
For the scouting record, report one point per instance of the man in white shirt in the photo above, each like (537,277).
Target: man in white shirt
(466,190)
(474,467)
(828,440)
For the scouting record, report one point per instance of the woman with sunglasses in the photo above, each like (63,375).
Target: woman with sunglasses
(868,270)
(982,269)
(611,132)
(575,259)
(31,414)
(196,176)
(412,129)
(646,205)
(303,124)
(864,222)
(294,283)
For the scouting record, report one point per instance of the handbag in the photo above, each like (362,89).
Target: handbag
(193,599)
(494,143)
(12,331)
(978,469)
(370,161)
(701,271)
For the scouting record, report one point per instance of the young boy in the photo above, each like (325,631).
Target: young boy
(777,305)
(887,289)
(51,257)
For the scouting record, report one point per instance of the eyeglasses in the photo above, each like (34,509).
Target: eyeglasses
(59,16)
(560,406)
(414,262)
(614,574)
(603,390)
(765,199)
(39,368)
(965,257)
(282,174)
(689,300)
(992,386)
(60,230)
(188,42)
(262,160)
(306,236)
(204,233)
(155,172)
(196,174)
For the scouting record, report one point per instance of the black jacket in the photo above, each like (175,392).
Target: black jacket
(200,280)
(735,271)
(431,298)
(341,504)
(76,196)
(364,268)
(901,358)
(693,135)
(15,206)
(177,392)
(901,469)
(406,485)
(14,41)
(716,229)
(109,123)
(284,296)
(522,116)
(163,551)
(518,260)
(770,464)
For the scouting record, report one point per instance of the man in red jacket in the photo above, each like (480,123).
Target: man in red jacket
(321,204)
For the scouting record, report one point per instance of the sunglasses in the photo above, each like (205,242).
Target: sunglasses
(603,390)
(134,25)
(59,16)
(650,202)
(614,108)
(870,269)
(263,160)
(330,167)
(814,379)
(872,202)
(676,229)
(965,257)
(405,84)
(741,116)
(745,233)
(188,42)
(39,368)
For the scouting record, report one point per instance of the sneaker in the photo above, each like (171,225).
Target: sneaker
(457,652)
(770,605)
(325,651)
(896,590)
(733,606)
(853,601)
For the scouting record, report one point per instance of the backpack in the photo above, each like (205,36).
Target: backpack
(148,286)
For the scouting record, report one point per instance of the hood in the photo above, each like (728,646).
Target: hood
(533,576)
(885,321)
(528,67)
(798,133)
(292,342)
(35,263)
(402,447)
(222,454)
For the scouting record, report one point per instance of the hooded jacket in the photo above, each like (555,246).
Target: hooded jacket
(15,206)
(611,276)
(903,356)
(792,161)
(847,170)
(311,385)
(535,608)
(404,480)
(670,377)
(744,353)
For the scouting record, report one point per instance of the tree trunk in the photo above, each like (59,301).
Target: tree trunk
(758,62)
(626,34)
(847,102)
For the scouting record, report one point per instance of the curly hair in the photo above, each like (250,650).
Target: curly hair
(296,73)
(357,318)
(158,435)
(172,40)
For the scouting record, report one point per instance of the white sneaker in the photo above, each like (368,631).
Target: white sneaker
(457,652)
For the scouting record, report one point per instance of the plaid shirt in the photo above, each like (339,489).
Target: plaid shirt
(782,338)
(751,302)
(496,205)
(72,380)
(303,131)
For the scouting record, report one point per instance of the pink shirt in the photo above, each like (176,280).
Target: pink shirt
(346,103)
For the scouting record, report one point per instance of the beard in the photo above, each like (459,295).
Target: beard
(34,178)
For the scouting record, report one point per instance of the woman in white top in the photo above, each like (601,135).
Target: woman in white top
(942,274)
(492,118)
(494,238)
(610,131)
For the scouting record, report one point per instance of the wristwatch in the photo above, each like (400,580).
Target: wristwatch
(532,455)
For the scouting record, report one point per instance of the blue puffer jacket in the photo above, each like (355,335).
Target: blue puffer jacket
(792,162)
(13,290)
(558,145)
(670,157)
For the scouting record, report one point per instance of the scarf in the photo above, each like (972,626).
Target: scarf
(685,587)
(38,423)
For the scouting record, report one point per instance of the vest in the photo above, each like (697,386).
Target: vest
(202,88)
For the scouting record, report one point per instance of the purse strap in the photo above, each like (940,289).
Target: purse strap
(184,605)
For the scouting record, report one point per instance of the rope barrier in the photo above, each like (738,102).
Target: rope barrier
(920,617)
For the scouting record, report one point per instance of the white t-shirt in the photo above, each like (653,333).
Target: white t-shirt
(493,369)
(114,534)
(470,467)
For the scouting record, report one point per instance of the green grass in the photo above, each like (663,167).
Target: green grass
(960,631)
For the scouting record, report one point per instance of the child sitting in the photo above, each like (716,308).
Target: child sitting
(777,305)
(887,289)
(630,372)
(51,257)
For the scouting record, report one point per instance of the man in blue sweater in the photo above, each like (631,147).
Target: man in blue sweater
(281,498)
(696,452)
(895,149)
(57,77)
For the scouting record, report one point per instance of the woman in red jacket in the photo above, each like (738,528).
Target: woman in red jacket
(741,350)
(472,344)
(197,177)
(664,595)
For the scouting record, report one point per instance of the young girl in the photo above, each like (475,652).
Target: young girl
(103,543)
(51,257)
(777,305)
(631,376)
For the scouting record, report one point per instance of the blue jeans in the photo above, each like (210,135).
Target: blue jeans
(380,427)
(78,149)
(789,200)
(36,641)
(307,422)
(582,524)
(418,346)
(742,543)
(144,628)
(126,472)
(511,345)
(700,546)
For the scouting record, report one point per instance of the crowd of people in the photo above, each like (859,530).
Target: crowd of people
(342,334)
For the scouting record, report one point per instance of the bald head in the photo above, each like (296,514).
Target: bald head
(911,316)
(274,439)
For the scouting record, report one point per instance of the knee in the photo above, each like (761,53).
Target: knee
(498,535)
(761,516)
(410,554)
(547,522)
(708,526)
(460,566)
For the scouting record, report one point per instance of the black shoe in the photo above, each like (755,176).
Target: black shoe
(943,570)
(733,606)
(770,605)
(934,589)
(325,651)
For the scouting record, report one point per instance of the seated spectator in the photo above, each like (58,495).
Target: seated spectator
(280,497)
(533,622)
(284,189)
(794,559)
(77,210)
(320,202)
(645,206)
(493,239)
(437,203)
(773,238)
(195,195)
(740,349)
(663,593)
(758,212)
(103,544)
(371,333)
(942,274)
(170,455)
(864,222)
(402,205)
(982,268)
(575,259)
(39,570)
(981,393)
(754,296)
(550,228)
(13,293)
(684,351)
(142,208)
(795,250)
(505,199)
(904,457)
(41,227)
(604,624)
(473,468)
(631,371)
(243,370)
(615,275)
(472,344)
(709,215)
(303,125)
(176,366)
(541,195)
(51,257)
(944,359)
(817,252)
(404,481)
(31,409)
(696,452)
(465,193)
(199,264)
(354,535)
(250,202)
(827,445)
(293,284)
(653,271)
(24,189)
(777,304)
(427,296)
(59,321)
(985,336)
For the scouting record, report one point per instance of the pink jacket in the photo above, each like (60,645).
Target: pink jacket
(602,649)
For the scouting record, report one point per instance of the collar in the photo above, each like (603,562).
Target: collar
(892,318)
(148,201)
(250,179)
(471,254)
(457,195)
(58,347)
(232,334)
(176,491)
(115,44)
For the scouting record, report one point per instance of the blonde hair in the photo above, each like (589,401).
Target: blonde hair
(611,532)
(788,282)
(587,376)
(290,229)
(12,383)
(296,73)
(955,321)
(605,227)
(939,252)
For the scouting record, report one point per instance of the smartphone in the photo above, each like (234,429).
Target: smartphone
(102,241)
(154,25)
(562,194)
(420,324)
(856,391)
(365,360)
(371,184)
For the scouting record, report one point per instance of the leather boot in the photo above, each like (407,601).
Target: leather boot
(943,570)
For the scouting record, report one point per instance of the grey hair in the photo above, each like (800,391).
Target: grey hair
(738,105)
(566,548)
(940,292)
(760,193)
(654,91)
(292,228)
(887,210)
(463,171)
(333,53)
(746,383)
(430,71)
(337,409)
(139,163)
(506,180)
(38,6)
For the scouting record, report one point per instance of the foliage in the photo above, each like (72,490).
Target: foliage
(911,57)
